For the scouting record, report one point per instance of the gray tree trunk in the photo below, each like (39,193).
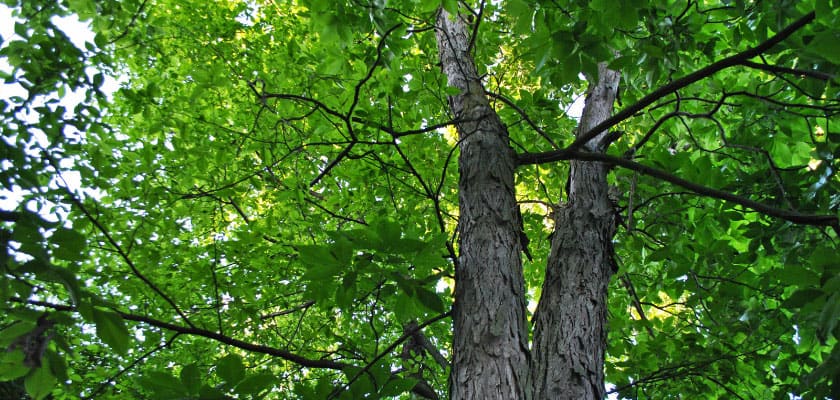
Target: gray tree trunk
(569,323)
(490,344)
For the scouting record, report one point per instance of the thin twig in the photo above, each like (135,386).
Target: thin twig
(104,385)
(407,334)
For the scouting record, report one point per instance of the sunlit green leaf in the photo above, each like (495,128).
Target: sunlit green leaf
(111,328)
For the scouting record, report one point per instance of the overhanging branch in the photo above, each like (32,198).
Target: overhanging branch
(741,58)
(113,242)
(787,215)
(186,330)
(422,388)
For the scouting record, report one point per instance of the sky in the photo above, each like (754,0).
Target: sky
(79,33)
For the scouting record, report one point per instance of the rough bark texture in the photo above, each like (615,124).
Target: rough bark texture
(569,323)
(490,359)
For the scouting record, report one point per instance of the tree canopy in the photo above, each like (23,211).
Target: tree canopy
(267,205)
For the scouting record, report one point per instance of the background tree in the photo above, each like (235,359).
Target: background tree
(286,199)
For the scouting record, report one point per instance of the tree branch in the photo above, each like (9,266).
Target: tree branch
(407,334)
(737,59)
(421,388)
(186,330)
(123,254)
(775,69)
(104,385)
(787,215)
(288,311)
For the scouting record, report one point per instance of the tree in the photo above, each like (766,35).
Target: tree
(289,199)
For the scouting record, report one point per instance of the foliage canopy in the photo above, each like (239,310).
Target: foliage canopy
(267,206)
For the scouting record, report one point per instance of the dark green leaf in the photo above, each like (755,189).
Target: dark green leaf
(14,331)
(11,365)
(430,299)
(254,384)
(162,385)
(191,378)
(70,244)
(396,387)
(231,369)
(211,393)
(451,6)
(829,317)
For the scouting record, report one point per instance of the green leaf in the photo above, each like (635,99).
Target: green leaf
(797,276)
(430,299)
(829,317)
(318,256)
(451,6)
(802,297)
(111,329)
(211,393)
(396,387)
(388,232)
(254,384)
(40,383)
(56,364)
(162,385)
(14,331)
(427,6)
(231,369)
(11,365)
(827,44)
(601,5)
(70,245)
(191,378)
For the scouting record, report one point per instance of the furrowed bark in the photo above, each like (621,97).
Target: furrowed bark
(490,356)
(569,323)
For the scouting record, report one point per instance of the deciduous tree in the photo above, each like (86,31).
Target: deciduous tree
(319,199)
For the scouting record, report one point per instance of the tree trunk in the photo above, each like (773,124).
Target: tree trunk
(569,328)
(490,349)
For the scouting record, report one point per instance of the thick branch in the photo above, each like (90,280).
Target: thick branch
(186,330)
(741,58)
(422,388)
(787,215)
